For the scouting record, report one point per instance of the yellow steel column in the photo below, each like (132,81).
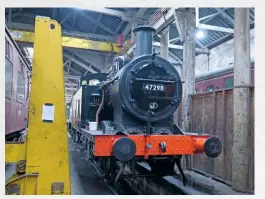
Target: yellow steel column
(47,161)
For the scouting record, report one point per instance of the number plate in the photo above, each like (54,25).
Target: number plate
(154,87)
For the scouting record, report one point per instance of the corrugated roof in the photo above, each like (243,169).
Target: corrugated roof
(212,38)
(88,22)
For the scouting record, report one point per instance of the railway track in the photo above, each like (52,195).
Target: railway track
(101,175)
(121,189)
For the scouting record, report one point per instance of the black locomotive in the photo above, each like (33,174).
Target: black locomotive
(137,97)
(143,92)
(142,95)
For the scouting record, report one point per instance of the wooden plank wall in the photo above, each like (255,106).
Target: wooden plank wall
(212,113)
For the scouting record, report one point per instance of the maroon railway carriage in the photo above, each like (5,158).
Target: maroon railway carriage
(222,78)
(17,86)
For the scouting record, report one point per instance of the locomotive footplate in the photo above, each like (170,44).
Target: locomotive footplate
(127,147)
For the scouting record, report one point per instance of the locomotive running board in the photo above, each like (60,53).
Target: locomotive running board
(42,164)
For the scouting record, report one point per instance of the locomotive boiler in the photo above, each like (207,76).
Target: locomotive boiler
(144,92)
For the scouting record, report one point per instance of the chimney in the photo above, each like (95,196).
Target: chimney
(144,40)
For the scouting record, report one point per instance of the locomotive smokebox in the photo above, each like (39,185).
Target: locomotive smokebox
(146,90)
(144,40)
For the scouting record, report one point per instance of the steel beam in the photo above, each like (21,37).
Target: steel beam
(138,14)
(164,42)
(107,11)
(174,40)
(210,17)
(215,28)
(65,63)
(210,27)
(119,26)
(80,63)
(86,72)
(178,25)
(172,46)
(164,21)
(66,18)
(98,21)
(226,16)
(68,63)
(75,70)
(70,84)
(30,27)
(69,93)
(99,24)
(71,42)
(72,77)
(175,57)
(70,89)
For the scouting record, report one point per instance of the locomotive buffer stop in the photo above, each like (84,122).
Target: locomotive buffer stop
(42,161)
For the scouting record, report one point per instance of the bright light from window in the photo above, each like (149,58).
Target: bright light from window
(200,34)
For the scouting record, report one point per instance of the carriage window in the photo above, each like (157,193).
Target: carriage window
(20,88)
(210,88)
(7,48)
(8,77)
(9,52)
(229,82)
(21,67)
(28,87)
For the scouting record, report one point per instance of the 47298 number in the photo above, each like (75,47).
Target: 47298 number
(154,87)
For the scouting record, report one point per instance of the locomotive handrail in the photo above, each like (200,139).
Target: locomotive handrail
(154,80)
(109,82)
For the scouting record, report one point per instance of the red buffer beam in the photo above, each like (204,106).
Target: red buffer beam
(124,148)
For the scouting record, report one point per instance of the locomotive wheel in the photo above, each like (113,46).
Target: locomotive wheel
(105,165)
(112,170)
(162,167)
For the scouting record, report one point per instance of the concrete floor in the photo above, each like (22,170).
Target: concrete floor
(85,180)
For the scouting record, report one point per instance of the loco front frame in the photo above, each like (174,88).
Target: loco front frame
(127,148)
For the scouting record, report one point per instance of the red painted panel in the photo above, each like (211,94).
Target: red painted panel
(16,114)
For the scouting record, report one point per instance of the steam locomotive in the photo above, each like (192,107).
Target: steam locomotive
(138,97)
(143,92)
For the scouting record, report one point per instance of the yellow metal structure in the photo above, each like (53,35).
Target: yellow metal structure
(71,42)
(45,169)
(15,152)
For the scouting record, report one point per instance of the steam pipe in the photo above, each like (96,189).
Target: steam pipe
(100,106)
